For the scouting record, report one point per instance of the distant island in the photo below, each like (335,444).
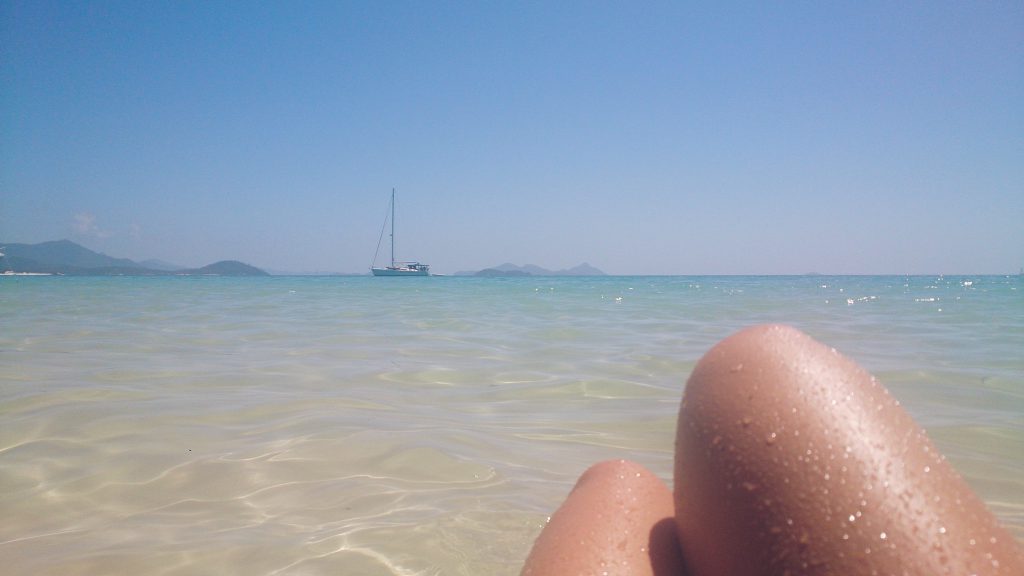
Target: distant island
(509,270)
(66,258)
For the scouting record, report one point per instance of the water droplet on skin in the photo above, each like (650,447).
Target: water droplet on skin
(942,529)
(736,368)
(749,486)
(927,469)
(883,536)
(852,518)
(746,422)
(770,439)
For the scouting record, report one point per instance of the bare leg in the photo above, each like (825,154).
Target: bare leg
(791,459)
(617,520)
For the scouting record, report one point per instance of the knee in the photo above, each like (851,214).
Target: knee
(614,472)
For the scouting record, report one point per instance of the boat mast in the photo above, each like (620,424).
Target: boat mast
(392,227)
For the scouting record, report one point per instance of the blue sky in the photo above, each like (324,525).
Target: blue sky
(643,138)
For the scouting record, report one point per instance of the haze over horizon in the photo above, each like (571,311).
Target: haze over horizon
(660,138)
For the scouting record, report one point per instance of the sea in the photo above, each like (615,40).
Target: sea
(421,426)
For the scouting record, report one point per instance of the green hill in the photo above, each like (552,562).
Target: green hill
(226,268)
(59,254)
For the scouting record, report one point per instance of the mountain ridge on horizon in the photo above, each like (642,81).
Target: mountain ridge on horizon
(510,270)
(71,259)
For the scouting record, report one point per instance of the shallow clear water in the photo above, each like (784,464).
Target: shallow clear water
(420,426)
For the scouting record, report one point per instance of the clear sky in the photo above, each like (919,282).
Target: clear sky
(643,138)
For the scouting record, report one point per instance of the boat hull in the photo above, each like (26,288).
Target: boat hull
(400,272)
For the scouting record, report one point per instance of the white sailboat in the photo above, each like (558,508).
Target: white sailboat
(396,268)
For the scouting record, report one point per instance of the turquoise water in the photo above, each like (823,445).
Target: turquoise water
(420,426)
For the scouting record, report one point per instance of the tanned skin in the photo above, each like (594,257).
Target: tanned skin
(790,459)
